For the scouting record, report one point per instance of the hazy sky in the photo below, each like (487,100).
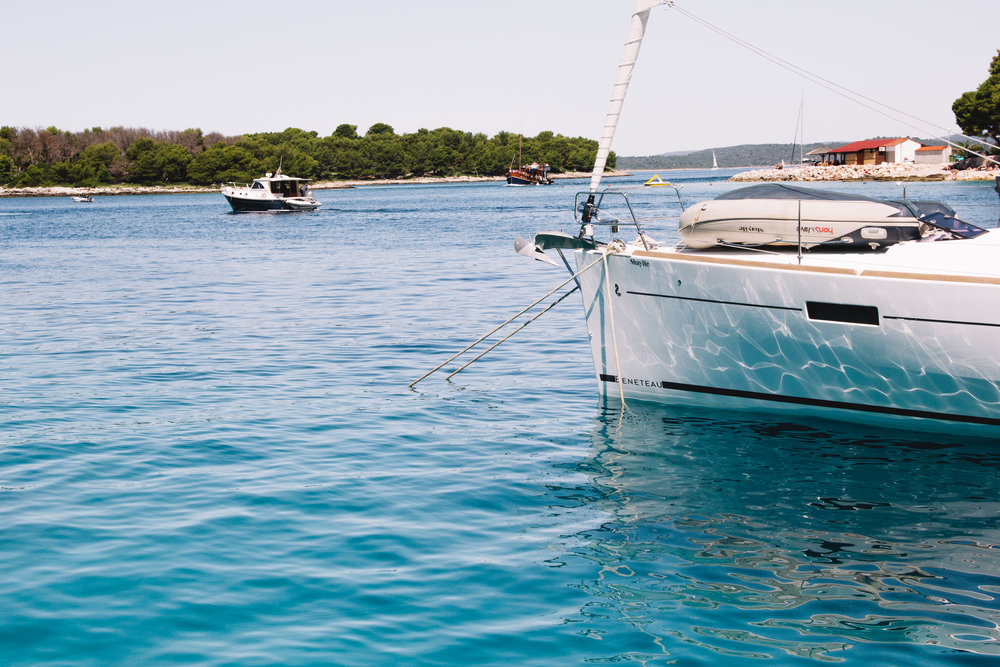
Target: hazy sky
(519,65)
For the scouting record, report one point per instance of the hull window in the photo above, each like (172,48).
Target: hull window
(842,312)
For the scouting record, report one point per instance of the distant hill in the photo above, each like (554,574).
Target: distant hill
(746,155)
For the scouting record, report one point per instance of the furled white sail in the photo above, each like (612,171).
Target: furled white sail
(636,30)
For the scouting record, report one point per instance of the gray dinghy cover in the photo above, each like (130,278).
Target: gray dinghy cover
(906,207)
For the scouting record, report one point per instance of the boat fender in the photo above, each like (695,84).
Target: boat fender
(616,246)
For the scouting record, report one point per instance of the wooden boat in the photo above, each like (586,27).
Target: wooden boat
(527,174)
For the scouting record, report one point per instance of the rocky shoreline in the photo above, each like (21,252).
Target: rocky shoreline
(116,190)
(882,172)
(868,172)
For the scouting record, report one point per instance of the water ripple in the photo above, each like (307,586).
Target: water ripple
(209,455)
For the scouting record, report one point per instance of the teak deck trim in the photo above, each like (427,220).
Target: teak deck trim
(868,273)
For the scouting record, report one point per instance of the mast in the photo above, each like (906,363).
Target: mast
(802,128)
(636,30)
(799,131)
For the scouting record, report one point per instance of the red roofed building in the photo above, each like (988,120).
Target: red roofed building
(875,151)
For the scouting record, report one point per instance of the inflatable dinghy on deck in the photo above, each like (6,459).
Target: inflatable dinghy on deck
(786,215)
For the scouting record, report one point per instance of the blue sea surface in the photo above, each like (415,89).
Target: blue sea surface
(209,454)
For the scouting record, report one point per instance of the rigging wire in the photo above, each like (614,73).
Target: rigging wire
(836,88)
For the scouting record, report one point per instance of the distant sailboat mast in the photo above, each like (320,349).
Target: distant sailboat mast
(799,131)
(715,163)
(802,126)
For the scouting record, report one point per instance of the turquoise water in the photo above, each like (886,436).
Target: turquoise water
(209,455)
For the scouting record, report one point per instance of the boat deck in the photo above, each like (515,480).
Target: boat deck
(969,259)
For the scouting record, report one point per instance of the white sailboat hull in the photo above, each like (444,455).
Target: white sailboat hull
(862,337)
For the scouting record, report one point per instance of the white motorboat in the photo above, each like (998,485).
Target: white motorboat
(272,192)
(83,199)
(848,308)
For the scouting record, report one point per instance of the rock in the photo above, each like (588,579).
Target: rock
(867,172)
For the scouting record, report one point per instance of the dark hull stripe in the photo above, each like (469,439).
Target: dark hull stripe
(254,205)
(253,208)
(724,303)
(820,403)
(925,319)
(514,180)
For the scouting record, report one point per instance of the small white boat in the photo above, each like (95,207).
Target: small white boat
(82,198)
(301,203)
(271,192)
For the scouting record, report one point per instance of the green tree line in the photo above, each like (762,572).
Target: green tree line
(35,157)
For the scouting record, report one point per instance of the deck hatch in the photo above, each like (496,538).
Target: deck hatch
(842,312)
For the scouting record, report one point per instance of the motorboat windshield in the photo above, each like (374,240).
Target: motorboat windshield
(957,229)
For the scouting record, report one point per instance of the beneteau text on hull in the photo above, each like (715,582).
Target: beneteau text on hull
(799,301)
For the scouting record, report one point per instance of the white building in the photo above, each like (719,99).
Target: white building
(875,151)
(933,155)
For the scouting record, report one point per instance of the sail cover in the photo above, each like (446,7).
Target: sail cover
(636,29)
